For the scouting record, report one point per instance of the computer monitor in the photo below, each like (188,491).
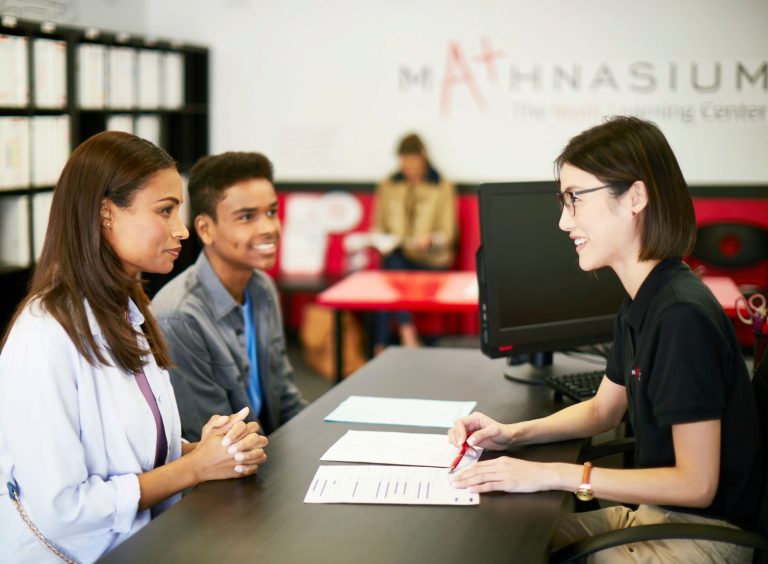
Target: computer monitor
(534,298)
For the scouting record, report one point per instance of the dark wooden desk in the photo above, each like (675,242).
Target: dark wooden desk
(264,519)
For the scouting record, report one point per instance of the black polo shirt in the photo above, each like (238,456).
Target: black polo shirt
(676,353)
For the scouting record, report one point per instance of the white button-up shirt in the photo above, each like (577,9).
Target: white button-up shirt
(74,437)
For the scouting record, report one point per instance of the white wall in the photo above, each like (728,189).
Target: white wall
(108,15)
(319,86)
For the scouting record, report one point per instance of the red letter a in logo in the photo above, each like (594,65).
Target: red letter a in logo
(457,71)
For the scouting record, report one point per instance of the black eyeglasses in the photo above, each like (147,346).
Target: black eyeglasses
(566,199)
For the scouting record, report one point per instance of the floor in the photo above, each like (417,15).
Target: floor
(311,384)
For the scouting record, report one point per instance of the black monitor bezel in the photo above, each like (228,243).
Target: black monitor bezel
(497,341)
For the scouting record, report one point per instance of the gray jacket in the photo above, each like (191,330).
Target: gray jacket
(204,327)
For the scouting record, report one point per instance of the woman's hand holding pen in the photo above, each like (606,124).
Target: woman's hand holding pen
(503,473)
(486,432)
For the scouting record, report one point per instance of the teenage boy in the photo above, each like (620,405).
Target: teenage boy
(221,316)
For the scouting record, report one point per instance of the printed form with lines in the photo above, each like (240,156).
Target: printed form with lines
(404,485)
(404,468)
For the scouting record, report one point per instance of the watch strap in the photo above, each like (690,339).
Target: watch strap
(584,492)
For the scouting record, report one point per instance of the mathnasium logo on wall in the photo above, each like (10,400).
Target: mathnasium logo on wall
(485,79)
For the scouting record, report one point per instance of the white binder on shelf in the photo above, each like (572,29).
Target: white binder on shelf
(50,148)
(149,65)
(14,231)
(120,122)
(41,211)
(14,88)
(14,153)
(91,75)
(148,127)
(173,81)
(121,88)
(50,59)
(184,208)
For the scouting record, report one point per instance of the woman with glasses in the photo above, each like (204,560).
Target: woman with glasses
(675,366)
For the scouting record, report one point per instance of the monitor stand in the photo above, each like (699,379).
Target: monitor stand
(529,368)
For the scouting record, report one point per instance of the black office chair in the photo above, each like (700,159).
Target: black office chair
(757,539)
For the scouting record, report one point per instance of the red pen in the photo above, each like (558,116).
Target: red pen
(462,452)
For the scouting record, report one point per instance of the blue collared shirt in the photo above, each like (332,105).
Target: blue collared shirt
(251,346)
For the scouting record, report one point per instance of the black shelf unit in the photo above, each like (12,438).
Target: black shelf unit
(183,128)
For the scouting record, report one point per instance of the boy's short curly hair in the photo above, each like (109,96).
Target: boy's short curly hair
(212,175)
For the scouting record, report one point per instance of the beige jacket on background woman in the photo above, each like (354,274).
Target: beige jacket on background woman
(413,211)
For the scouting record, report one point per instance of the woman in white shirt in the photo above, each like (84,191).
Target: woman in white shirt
(90,444)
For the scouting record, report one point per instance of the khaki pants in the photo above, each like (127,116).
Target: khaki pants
(577,526)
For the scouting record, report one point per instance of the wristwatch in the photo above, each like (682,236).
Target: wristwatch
(584,493)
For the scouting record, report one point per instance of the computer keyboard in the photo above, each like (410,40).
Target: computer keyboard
(578,386)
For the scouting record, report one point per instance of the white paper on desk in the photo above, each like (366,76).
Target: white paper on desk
(385,243)
(399,485)
(409,449)
(400,411)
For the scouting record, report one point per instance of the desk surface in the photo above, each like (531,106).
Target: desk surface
(414,290)
(264,519)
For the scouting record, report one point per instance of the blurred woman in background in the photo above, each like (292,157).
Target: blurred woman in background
(416,208)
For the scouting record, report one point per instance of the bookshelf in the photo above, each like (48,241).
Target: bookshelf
(61,85)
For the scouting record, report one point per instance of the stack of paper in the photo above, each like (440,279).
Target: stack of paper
(400,411)
(407,449)
(420,461)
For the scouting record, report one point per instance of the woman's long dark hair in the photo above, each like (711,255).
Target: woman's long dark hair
(77,263)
